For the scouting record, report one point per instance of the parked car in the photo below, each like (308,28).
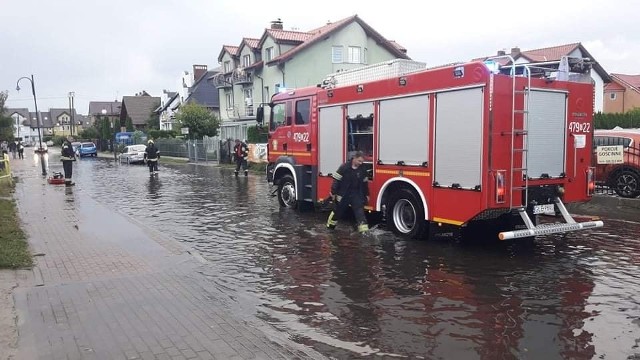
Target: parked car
(41,148)
(623,177)
(133,154)
(87,149)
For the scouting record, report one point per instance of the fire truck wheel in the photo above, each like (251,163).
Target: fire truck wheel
(626,183)
(406,215)
(287,192)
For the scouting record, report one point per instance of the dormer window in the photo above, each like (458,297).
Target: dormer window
(268,53)
(246,60)
(227,66)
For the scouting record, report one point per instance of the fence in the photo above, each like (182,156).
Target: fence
(5,167)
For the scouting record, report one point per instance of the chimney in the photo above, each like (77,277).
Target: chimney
(277,24)
(198,71)
(515,51)
(502,53)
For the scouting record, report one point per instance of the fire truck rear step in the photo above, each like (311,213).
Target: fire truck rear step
(546,229)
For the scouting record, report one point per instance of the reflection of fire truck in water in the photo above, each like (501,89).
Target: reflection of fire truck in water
(462,145)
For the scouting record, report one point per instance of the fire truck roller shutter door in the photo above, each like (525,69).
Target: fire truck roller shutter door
(330,139)
(458,140)
(547,133)
(404,121)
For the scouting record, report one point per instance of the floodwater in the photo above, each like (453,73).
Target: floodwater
(571,296)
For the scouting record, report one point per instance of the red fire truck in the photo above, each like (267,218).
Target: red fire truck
(455,145)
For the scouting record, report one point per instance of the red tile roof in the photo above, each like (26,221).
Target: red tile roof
(288,35)
(233,50)
(252,43)
(628,80)
(550,53)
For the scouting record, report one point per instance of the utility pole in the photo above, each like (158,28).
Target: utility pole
(72,126)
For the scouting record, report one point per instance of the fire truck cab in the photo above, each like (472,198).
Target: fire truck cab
(458,144)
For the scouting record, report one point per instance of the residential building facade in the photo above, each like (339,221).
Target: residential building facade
(282,59)
(105,109)
(622,94)
(139,109)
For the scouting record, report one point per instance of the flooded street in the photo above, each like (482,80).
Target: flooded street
(571,296)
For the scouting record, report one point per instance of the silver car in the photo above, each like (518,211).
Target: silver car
(133,154)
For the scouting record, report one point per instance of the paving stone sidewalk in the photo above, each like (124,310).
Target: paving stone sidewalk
(107,287)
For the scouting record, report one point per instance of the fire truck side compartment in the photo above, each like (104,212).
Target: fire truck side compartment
(458,138)
(330,126)
(404,131)
(547,133)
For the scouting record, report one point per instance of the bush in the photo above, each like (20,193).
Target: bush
(630,119)
(256,135)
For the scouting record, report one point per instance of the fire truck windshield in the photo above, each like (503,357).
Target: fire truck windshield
(277,117)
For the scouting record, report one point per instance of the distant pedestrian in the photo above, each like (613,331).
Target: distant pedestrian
(350,190)
(13,148)
(20,150)
(67,157)
(241,153)
(151,156)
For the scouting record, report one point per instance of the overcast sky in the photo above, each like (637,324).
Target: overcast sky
(103,50)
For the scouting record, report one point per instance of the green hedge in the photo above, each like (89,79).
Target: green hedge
(626,120)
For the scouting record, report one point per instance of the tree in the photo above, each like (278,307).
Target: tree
(129,124)
(89,133)
(199,120)
(6,122)
(154,118)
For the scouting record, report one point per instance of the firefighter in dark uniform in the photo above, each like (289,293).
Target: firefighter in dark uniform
(240,153)
(151,156)
(350,187)
(67,157)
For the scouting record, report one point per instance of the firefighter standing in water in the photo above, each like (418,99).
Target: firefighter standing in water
(241,152)
(67,157)
(350,187)
(151,156)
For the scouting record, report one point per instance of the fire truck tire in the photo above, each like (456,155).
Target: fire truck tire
(405,214)
(626,183)
(287,192)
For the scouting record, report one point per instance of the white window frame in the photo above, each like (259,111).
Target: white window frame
(268,53)
(227,66)
(246,60)
(354,54)
(365,59)
(337,54)
(612,96)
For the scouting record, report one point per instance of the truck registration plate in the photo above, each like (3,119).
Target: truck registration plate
(542,209)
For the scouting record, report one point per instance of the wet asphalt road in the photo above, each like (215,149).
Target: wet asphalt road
(571,296)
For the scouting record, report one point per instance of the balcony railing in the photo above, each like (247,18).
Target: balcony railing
(222,81)
(242,78)
(240,112)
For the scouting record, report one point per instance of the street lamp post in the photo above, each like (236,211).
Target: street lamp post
(35,103)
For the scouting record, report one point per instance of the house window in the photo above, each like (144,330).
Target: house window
(248,102)
(227,66)
(229,101)
(354,54)
(364,56)
(336,54)
(246,60)
(612,96)
(269,53)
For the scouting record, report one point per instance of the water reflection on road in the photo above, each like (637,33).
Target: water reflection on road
(566,296)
